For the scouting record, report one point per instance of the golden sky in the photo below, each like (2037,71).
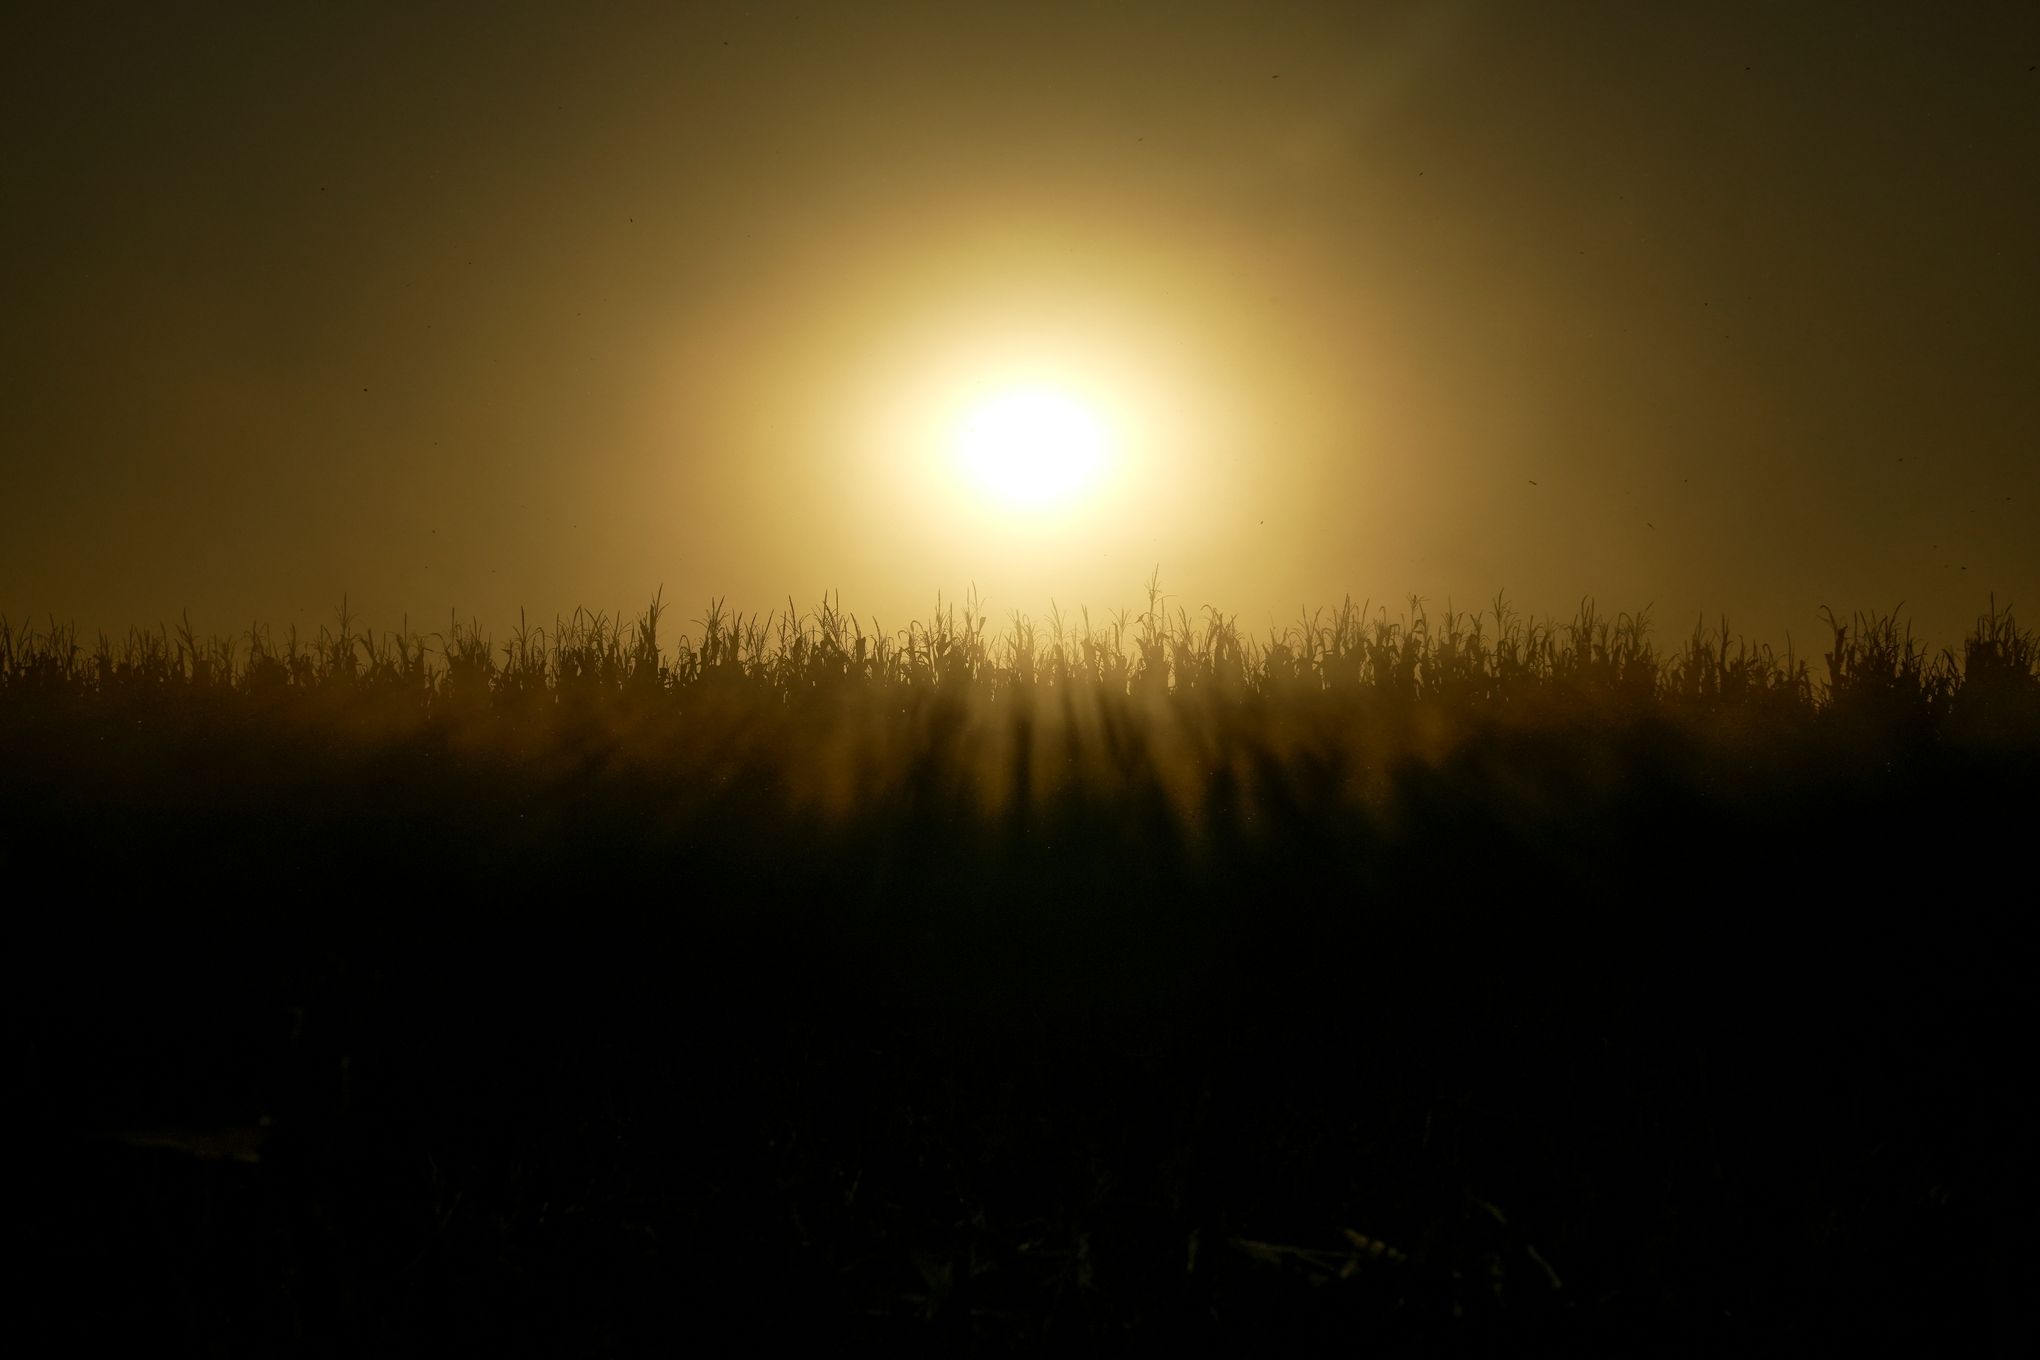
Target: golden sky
(472,306)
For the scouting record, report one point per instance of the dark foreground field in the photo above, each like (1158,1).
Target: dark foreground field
(1379,989)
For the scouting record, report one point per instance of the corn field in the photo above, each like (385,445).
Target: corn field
(1434,982)
(1497,657)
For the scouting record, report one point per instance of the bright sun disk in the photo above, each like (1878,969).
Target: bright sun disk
(1031,448)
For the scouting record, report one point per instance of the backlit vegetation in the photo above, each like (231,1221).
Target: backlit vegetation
(1448,982)
(1472,663)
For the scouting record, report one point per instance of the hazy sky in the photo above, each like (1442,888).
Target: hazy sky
(447,305)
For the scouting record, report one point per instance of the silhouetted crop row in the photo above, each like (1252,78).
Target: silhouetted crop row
(1490,659)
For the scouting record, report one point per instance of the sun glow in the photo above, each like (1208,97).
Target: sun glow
(1032,448)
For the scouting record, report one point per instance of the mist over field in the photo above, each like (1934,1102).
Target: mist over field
(1541,865)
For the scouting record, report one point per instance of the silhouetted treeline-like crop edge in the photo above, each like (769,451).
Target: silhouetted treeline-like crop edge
(1495,657)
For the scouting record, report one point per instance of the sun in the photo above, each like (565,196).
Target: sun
(1032,448)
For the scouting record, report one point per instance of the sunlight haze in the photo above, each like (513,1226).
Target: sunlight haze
(462,307)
